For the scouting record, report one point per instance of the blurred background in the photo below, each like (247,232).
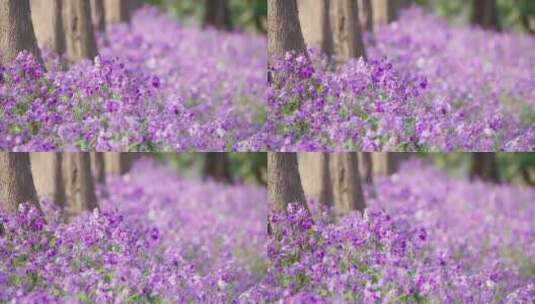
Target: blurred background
(247,15)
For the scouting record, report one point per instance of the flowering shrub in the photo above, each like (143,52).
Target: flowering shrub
(183,89)
(455,242)
(157,239)
(426,86)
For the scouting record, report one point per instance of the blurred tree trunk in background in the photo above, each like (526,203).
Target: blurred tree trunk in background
(347,188)
(16,31)
(284,30)
(118,163)
(217,167)
(366,167)
(98,15)
(386,163)
(346,32)
(314,171)
(484,167)
(79,187)
(284,184)
(47,19)
(485,14)
(48,176)
(78,28)
(387,11)
(118,11)
(16,181)
(98,166)
(315,19)
(217,14)
(366,15)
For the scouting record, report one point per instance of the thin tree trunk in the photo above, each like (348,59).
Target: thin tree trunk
(366,167)
(217,167)
(217,14)
(387,11)
(48,176)
(98,15)
(347,189)
(47,19)
(16,31)
(120,11)
(485,14)
(79,34)
(315,23)
(16,182)
(366,15)
(98,166)
(118,163)
(348,42)
(386,163)
(316,177)
(284,30)
(79,186)
(484,167)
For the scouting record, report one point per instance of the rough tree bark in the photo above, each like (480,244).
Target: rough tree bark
(79,187)
(98,15)
(16,181)
(216,167)
(284,30)
(348,42)
(484,167)
(347,189)
(315,22)
(16,31)
(284,182)
(366,15)
(485,14)
(78,27)
(217,14)
(48,176)
(316,177)
(98,166)
(47,19)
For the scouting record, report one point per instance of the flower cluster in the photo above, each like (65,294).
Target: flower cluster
(199,243)
(201,90)
(426,86)
(455,242)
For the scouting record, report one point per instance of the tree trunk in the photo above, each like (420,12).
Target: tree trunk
(386,11)
(118,163)
(484,167)
(98,15)
(79,35)
(217,167)
(16,181)
(98,166)
(485,14)
(348,42)
(48,176)
(119,11)
(366,15)
(316,177)
(386,163)
(284,30)
(315,22)
(217,14)
(16,31)
(366,167)
(47,19)
(79,187)
(347,189)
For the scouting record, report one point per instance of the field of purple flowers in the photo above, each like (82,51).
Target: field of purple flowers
(157,85)
(197,243)
(427,86)
(453,241)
